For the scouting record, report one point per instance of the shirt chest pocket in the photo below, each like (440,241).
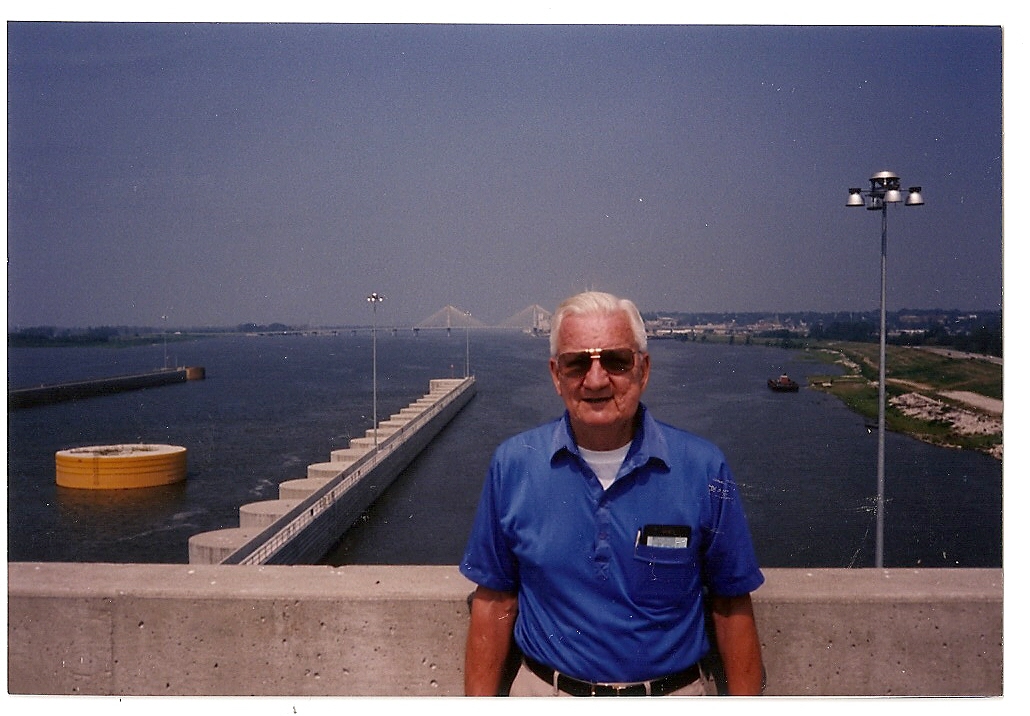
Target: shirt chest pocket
(662,576)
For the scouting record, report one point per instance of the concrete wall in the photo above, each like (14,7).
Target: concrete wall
(400,631)
(47,394)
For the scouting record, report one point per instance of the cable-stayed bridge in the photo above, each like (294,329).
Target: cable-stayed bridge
(532,319)
(451,317)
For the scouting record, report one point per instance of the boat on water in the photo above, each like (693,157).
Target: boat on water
(783,384)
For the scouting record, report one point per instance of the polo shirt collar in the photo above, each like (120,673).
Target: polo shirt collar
(648,441)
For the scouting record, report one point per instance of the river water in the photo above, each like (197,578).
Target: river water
(271,405)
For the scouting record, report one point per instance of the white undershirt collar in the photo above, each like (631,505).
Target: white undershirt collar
(605,463)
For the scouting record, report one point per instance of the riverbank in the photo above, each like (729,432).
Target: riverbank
(941,398)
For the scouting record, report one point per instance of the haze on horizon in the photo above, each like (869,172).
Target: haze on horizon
(226,173)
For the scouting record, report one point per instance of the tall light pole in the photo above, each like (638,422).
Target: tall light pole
(164,339)
(884,189)
(374,299)
(468,323)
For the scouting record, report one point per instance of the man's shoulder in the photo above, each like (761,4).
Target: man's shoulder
(539,437)
(680,440)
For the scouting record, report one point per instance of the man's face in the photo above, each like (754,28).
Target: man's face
(601,402)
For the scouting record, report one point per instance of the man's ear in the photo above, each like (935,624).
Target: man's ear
(555,376)
(645,371)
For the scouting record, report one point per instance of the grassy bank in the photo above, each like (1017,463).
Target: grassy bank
(930,396)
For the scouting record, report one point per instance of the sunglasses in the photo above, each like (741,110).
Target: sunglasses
(615,361)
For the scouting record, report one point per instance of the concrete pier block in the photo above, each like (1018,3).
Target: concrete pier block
(261,514)
(212,547)
(445,384)
(299,489)
(384,431)
(325,470)
(366,443)
(347,455)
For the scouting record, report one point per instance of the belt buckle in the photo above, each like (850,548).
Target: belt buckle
(619,689)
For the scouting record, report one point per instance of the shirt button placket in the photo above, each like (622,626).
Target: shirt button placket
(603,549)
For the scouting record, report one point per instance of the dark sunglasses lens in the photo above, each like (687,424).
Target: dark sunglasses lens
(613,360)
(575,363)
(617,360)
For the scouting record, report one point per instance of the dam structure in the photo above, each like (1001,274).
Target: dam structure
(60,392)
(312,513)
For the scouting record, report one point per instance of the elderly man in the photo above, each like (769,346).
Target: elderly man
(602,538)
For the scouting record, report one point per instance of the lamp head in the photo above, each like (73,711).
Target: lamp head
(915,196)
(886,186)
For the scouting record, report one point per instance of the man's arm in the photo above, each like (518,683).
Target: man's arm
(489,639)
(736,637)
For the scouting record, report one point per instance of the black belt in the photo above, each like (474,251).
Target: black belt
(655,687)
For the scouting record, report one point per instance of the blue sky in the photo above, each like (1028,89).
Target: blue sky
(218,174)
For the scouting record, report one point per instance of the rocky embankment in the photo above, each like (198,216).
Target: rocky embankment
(983,417)
(970,419)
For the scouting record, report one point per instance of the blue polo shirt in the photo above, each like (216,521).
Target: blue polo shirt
(610,582)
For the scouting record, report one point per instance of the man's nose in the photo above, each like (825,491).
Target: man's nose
(597,376)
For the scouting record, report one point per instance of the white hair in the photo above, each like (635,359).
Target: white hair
(598,303)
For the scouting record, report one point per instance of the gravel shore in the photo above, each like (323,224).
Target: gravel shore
(983,419)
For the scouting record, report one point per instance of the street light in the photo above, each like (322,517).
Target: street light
(374,299)
(468,323)
(884,189)
(164,339)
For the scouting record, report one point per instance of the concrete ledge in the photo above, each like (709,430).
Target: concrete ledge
(400,631)
(213,630)
(869,632)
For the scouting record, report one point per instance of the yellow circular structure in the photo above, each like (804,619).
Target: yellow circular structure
(118,467)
